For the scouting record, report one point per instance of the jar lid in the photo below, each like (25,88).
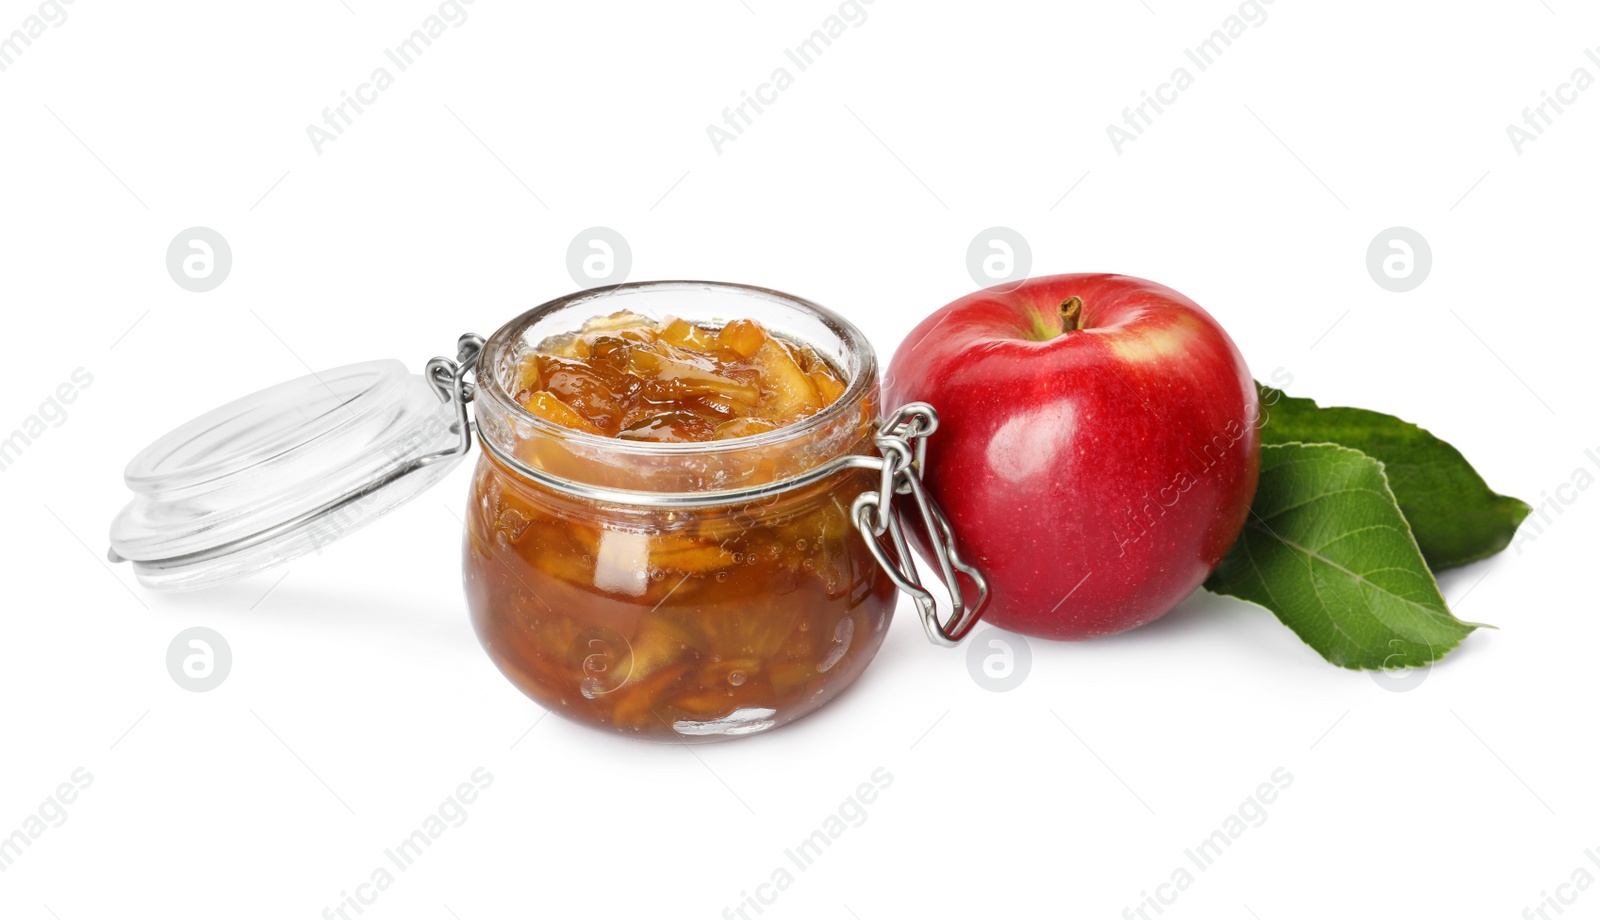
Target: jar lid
(287,470)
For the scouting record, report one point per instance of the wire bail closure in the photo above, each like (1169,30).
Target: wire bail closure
(449,380)
(902,439)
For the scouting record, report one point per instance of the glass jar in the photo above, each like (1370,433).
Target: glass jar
(614,604)
(687,591)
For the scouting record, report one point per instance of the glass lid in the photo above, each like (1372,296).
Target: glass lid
(288,470)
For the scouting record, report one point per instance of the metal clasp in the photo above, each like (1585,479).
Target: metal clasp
(449,380)
(902,439)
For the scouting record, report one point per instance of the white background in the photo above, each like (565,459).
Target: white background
(359,698)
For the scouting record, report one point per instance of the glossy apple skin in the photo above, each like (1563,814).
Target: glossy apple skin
(1095,476)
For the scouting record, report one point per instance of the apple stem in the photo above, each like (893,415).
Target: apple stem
(1071,314)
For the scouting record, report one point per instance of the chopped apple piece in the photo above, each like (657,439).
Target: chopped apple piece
(526,380)
(622,319)
(667,378)
(786,390)
(743,337)
(685,334)
(547,405)
(804,356)
(718,406)
(828,386)
(688,554)
(561,346)
(587,389)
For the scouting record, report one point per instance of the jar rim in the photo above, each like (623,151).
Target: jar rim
(498,345)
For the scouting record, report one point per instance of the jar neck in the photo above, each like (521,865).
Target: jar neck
(844,427)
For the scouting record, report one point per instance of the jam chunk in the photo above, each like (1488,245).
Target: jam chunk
(630,377)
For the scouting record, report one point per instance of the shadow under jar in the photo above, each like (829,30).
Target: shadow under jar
(612,589)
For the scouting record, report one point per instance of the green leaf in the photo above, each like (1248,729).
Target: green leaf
(1454,515)
(1327,550)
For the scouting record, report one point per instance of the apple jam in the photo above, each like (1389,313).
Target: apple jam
(627,376)
(607,576)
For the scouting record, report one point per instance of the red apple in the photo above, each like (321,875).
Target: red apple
(1097,449)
